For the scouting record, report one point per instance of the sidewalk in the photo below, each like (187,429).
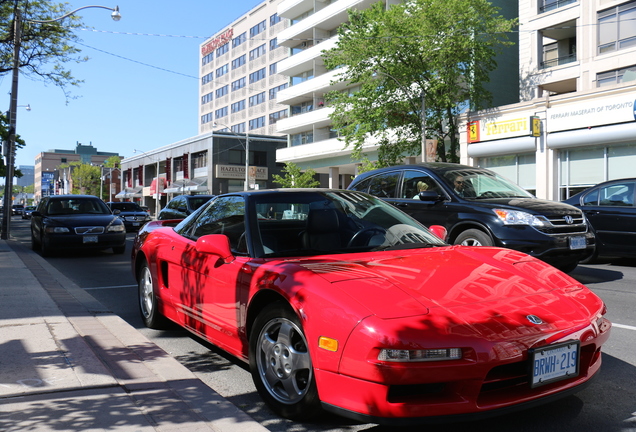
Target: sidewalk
(68,364)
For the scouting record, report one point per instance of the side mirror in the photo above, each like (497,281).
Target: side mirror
(215,244)
(430,196)
(116,211)
(439,231)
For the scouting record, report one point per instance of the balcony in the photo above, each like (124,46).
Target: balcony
(550,5)
(316,118)
(302,61)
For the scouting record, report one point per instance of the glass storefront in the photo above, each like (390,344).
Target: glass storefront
(521,169)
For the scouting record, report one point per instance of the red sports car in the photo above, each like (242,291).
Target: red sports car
(340,301)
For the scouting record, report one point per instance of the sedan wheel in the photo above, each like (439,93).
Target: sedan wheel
(474,237)
(148,300)
(281,365)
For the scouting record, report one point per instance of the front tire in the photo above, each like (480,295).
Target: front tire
(474,237)
(148,300)
(281,364)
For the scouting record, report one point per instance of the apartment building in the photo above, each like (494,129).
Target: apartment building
(239,74)
(575,123)
(313,143)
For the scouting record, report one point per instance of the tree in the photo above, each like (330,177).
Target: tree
(84,177)
(439,52)
(295,178)
(46,48)
(4,137)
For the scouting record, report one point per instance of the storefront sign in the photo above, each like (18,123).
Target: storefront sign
(535,130)
(502,127)
(595,112)
(238,172)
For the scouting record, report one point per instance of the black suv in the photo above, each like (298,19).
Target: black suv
(133,216)
(182,206)
(480,208)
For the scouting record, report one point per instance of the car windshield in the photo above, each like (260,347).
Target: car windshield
(126,207)
(478,184)
(196,202)
(296,224)
(74,206)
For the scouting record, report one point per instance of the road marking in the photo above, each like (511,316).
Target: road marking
(110,287)
(623,326)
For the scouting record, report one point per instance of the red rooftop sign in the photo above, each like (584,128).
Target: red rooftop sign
(217,42)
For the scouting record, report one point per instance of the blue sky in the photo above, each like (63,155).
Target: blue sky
(140,90)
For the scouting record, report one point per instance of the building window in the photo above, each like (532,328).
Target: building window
(257,29)
(240,39)
(222,49)
(199,160)
(617,76)
(302,77)
(222,70)
(206,118)
(222,91)
(207,78)
(220,113)
(257,123)
(257,76)
(273,69)
(274,117)
(238,84)
(207,58)
(257,52)
(274,91)
(206,98)
(302,138)
(273,44)
(548,5)
(257,99)
(274,19)
(238,106)
(617,28)
(238,128)
(238,62)
(302,108)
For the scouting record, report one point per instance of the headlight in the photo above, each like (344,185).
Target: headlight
(55,230)
(116,228)
(515,217)
(395,355)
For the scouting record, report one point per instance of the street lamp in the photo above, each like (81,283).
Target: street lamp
(10,160)
(247,152)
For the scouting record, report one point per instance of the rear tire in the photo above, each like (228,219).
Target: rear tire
(281,364)
(474,237)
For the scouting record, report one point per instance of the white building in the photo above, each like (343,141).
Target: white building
(578,80)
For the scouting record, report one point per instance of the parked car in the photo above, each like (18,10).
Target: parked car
(479,207)
(130,213)
(26,213)
(16,209)
(182,206)
(76,222)
(610,207)
(339,301)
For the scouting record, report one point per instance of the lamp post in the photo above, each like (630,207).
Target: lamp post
(13,107)
(247,153)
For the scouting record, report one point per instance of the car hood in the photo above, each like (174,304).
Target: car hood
(462,286)
(82,220)
(531,205)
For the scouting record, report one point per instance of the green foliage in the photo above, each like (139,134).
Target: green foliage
(4,137)
(112,162)
(85,178)
(442,50)
(46,48)
(295,178)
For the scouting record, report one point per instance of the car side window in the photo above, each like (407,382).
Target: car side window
(591,199)
(414,182)
(384,185)
(226,216)
(617,195)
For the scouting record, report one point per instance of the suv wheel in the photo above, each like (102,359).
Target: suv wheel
(474,237)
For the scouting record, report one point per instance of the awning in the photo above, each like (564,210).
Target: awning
(129,193)
(199,184)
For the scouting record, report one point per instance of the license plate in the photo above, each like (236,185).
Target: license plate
(135,224)
(90,239)
(554,363)
(577,242)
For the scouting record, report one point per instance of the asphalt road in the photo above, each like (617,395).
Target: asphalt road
(607,405)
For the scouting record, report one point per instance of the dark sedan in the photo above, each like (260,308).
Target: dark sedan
(133,216)
(76,222)
(610,207)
